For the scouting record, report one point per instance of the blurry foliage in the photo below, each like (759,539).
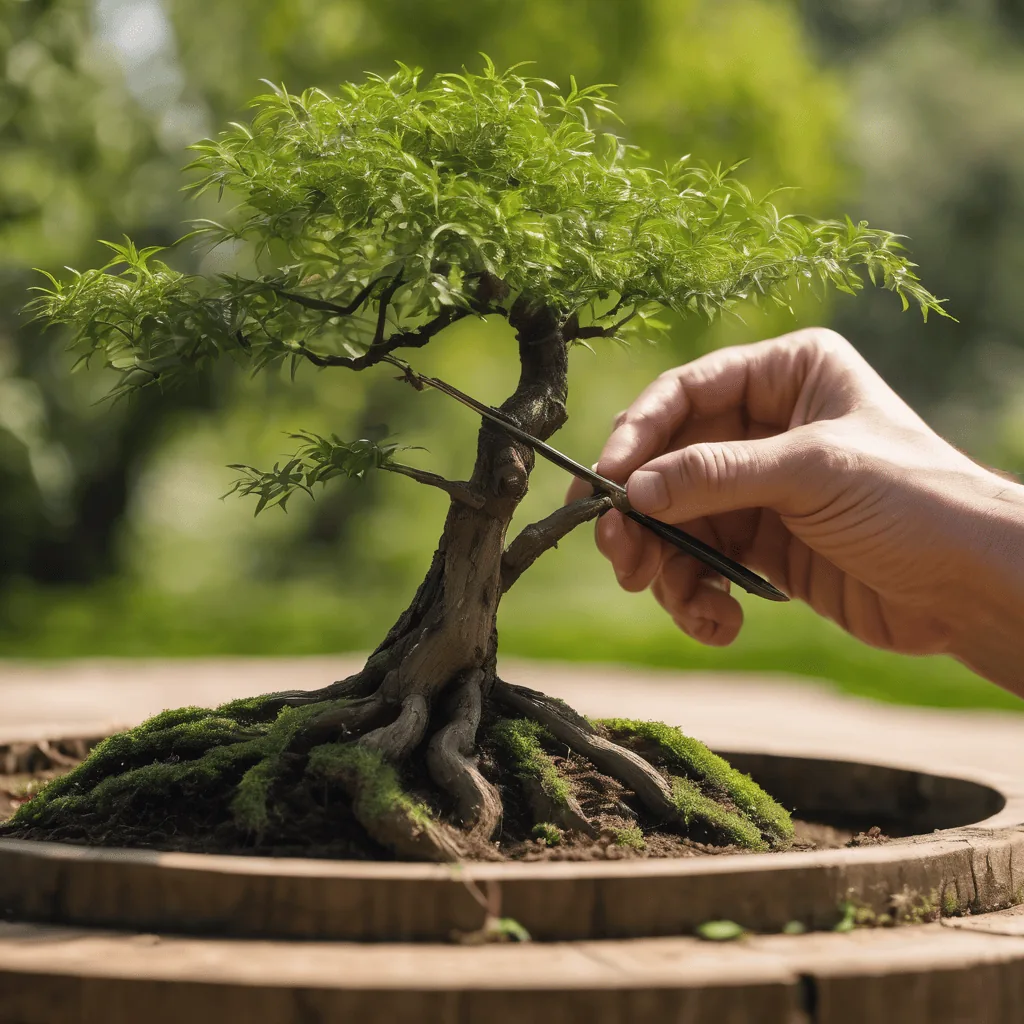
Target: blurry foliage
(78,157)
(937,143)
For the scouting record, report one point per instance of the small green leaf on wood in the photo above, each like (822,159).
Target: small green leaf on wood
(510,930)
(848,919)
(720,931)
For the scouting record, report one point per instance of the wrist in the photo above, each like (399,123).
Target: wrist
(986,620)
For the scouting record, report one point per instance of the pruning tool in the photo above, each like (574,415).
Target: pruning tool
(722,564)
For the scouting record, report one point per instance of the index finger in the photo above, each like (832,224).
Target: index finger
(763,379)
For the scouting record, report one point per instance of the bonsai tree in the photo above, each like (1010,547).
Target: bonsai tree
(376,219)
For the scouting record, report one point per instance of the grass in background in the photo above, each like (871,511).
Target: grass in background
(595,623)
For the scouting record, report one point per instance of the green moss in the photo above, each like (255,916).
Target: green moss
(694,805)
(251,709)
(950,902)
(519,740)
(148,782)
(172,736)
(695,760)
(251,803)
(377,788)
(549,833)
(186,748)
(631,836)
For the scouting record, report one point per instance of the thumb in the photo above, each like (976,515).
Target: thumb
(780,472)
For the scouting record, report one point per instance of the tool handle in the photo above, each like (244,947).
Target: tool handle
(731,570)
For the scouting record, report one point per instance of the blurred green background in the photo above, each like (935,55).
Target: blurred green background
(113,540)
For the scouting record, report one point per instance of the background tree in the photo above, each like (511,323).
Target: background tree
(80,157)
(933,143)
(375,220)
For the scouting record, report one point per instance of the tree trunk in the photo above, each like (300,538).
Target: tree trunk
(449,629)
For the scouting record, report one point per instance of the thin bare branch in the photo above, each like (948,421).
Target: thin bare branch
(377,353)
(382,309)
(324,306)
(458,489)
(539,537)
(593,331)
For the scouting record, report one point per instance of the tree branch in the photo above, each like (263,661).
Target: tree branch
(377,352)
(458,489)
(604,332)
(538,537)
(331,307)
(382,308)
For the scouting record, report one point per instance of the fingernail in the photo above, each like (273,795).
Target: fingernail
(647,492)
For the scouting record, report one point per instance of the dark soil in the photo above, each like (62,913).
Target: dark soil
(319,823)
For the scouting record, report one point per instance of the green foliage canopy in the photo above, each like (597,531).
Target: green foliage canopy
(378,216)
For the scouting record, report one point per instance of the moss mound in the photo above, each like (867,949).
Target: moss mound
(233,779)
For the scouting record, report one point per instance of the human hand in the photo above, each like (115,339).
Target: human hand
(794,457)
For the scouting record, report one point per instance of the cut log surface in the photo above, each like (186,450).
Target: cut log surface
(928,974)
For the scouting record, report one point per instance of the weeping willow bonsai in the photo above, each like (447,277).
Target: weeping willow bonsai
(376,219)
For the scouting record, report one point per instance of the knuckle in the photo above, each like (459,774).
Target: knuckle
(707,465)
(648,415)
(822,343)
(827,452)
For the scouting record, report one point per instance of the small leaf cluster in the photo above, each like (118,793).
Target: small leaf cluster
(318,460)
(376,216)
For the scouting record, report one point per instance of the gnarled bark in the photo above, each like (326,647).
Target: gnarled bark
(452,767)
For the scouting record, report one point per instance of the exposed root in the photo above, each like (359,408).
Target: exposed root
(396,741)
(342,721)
(547,791)
(670,798)
(651,788)
(694,760)
(359,773)
(387,813)
(353,687)
(454,770)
